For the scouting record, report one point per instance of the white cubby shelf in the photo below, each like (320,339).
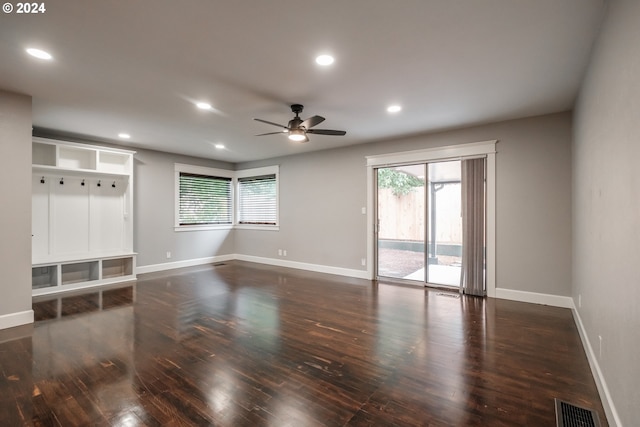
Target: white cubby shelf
(82,222)
(60,156)
(76,273)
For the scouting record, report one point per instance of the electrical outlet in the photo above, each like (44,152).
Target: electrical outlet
(168,254)
(363,261)
(284,252)
(279,252)
(364,211)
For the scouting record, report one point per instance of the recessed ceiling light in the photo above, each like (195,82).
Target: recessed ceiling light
(124,135)
(40,54)
(204,106)
(324,60)
(219,146)
(394,109)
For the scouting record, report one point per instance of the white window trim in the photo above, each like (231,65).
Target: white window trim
(245,173)
(200,170)
(234,175)
(451,152)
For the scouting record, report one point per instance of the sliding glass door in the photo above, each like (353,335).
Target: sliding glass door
(444,257)
(419,224)
(401,222)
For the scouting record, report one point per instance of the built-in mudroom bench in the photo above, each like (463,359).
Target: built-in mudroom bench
(82,220)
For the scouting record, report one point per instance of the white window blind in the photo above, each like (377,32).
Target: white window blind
(204,200)
(258,200)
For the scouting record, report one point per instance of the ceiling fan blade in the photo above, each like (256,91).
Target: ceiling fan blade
(282,132)
(327,132)
(312,121)
(271,123)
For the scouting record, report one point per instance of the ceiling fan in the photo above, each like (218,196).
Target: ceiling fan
(298,129)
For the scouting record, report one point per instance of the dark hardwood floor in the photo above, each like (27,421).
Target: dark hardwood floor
(243,344)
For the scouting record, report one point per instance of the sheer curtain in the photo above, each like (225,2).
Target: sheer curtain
(472,278)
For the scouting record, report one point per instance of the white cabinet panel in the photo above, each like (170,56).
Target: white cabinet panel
(107,216)
(40,216)
(70,216)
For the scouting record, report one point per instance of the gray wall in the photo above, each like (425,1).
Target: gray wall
(606,205)
(322,194)
(154,201)
(15,214)
(321,197)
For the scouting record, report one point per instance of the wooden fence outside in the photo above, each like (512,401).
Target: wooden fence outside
(403,217)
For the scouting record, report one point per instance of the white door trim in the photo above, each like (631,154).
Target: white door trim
(452,152)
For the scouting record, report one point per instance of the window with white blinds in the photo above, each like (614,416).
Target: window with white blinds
(204,200)
(258,200)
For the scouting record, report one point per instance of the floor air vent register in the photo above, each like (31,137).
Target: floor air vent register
(448,294)
(568,415)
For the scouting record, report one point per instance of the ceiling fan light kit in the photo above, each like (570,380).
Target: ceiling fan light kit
(297,129)
(297,135)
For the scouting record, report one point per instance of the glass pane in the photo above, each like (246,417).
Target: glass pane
(204,199)
(401,222)
(445,223)
(257,200)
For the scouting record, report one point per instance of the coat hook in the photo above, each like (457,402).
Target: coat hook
(61,181)
(114,184)
(99,184)
(82,183)
(42,180)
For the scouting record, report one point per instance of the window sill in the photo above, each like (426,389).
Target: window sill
(227,227)
(257,227)
(203,227)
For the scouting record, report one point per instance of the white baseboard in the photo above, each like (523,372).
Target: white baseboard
(180,264)
(534,297)
(16,319)
(360,274)
(609,408)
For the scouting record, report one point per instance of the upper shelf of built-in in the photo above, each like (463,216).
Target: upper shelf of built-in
(50,156)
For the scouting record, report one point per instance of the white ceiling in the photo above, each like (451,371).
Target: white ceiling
(138,66)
